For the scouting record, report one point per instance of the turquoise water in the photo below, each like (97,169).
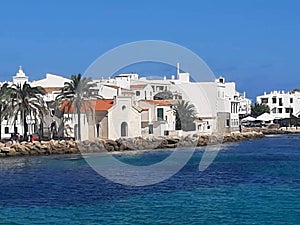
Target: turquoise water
(253,182)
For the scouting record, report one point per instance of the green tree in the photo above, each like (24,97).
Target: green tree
(5,96)
(259,109)
(26,101)
(75,93)
(185,115)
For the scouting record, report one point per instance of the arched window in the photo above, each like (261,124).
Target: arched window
(124,129)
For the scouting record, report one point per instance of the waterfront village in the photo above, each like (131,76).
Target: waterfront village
(127,106)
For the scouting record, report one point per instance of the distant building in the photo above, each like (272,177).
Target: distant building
(9,126)
(282,104)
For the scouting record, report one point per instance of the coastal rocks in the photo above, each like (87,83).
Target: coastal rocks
(121,144)
(38,148)
(140,143)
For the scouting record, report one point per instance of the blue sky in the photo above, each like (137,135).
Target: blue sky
(253,42)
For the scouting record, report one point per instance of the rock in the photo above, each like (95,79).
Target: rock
(6,149)
(173,140)
(8,144)
(109,147)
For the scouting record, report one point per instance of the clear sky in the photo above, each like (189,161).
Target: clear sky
(253,42)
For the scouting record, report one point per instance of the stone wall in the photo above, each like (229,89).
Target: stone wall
(122,144)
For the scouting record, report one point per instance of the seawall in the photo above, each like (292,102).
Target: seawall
(123,144)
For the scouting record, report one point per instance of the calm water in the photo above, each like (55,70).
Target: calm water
(254,182)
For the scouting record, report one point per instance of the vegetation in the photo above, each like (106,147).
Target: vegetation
(5,95)
(24,101)
(74,94)
(259,109)
(295,90)
(185,115)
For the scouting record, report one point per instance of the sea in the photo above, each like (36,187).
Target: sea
(251,182)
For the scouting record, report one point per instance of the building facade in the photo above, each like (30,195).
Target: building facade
(282,104)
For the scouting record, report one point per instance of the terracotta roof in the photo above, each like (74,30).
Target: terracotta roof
(98,105)
(104,104)
(114,86)
(66,106)
(137,108)
(161,102)
(111,86)
(138,86)
(51,89)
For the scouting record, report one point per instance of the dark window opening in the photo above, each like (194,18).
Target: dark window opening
(160,114)
(124,129)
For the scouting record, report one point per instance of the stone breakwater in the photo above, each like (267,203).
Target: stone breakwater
(38,148)
(269,131)
(122,144)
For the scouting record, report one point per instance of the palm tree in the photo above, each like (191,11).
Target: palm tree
(5,94)
(259,109)
(27,102)
(74,94)
(185,115)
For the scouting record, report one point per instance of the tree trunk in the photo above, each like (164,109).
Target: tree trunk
(25,127)
(79,125)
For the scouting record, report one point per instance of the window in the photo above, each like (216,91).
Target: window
(280,102)
(291,100)
(289,110)
(227,123)
(264,100)
(137,93)
(151,129)
(279,110)
(273,110)
(160,114)
(6,130)
(274,100)
(123,107)
(124,129)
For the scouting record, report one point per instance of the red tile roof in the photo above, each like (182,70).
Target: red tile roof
(138,86)
(104,104)
(114,87)
(98,105)
(161,102)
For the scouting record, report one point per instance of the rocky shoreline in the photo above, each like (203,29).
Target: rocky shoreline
(123,144)
(268,131)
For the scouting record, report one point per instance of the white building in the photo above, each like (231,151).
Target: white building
(52,84)
(109,118)
(217,102)
(161,116)
(10,126)
(282,104)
